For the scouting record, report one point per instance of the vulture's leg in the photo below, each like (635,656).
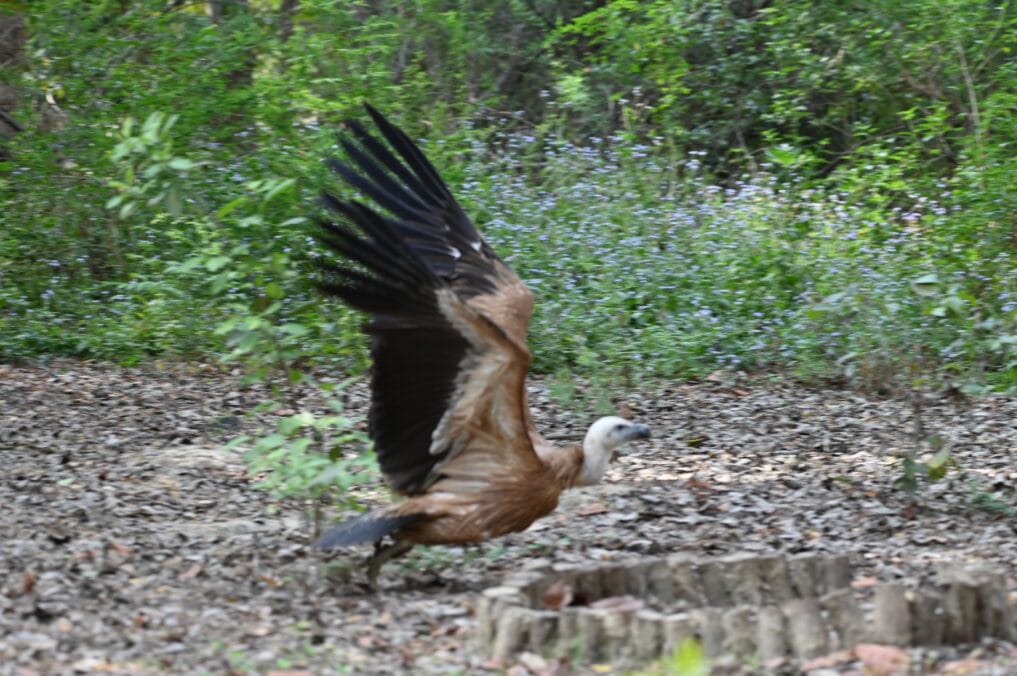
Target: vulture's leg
(382,554)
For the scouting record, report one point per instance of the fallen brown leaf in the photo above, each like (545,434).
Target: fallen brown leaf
(964,667)
(191,572)
(593,508)
(534,663)
(828,661)
(123,550)
(445,630)
(698,484)
(557,596)
(882,660)
(493,665)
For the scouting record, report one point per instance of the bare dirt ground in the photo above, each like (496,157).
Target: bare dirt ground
(133,544)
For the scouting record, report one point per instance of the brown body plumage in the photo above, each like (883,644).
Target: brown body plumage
(448,321)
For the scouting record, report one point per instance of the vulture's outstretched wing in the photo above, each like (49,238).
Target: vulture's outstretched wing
(448,321)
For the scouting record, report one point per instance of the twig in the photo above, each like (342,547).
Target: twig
(976,118)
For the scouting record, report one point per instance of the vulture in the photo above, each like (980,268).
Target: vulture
(447,321)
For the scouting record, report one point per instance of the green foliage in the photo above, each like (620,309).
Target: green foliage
(833,80)
(152,174)
(310,457)
(999,501)
(685,185)
(275,331)
(686,660)
(932,468)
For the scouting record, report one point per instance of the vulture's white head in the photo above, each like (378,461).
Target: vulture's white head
(602,439)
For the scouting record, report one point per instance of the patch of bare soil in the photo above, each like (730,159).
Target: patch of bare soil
(133,544)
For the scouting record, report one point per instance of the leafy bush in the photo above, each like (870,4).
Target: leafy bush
(634,271)
(313,458)
(764,185)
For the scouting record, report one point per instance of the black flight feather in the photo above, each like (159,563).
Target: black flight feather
(393,268)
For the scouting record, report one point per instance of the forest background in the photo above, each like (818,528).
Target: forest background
(822,188)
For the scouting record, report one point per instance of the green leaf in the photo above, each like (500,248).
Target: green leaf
(783,154)
(294,329)
(230,206)
(189,264)
(300,445)
(332,421)
(908,480)
(937,467)
(274,291)
(688,660)
(926,285)
(236,441)
(330,476)
(216,263)
(247,343)
(955,304)
(181,164)
(226,326)
(174,203)
(278,188)
(250,221)
(294,422)
(150,129)
(254,323)
(152,170)
(269,442)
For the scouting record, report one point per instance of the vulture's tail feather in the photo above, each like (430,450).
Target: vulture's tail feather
(369,527)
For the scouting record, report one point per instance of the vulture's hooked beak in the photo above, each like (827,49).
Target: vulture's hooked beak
(639,431)
(631,433)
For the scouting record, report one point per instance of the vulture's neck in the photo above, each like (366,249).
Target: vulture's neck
(576,465)
(595,458)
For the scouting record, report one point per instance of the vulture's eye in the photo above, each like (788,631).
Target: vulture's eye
(619,427)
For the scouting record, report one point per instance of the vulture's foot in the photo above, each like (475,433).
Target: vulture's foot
(383,554)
